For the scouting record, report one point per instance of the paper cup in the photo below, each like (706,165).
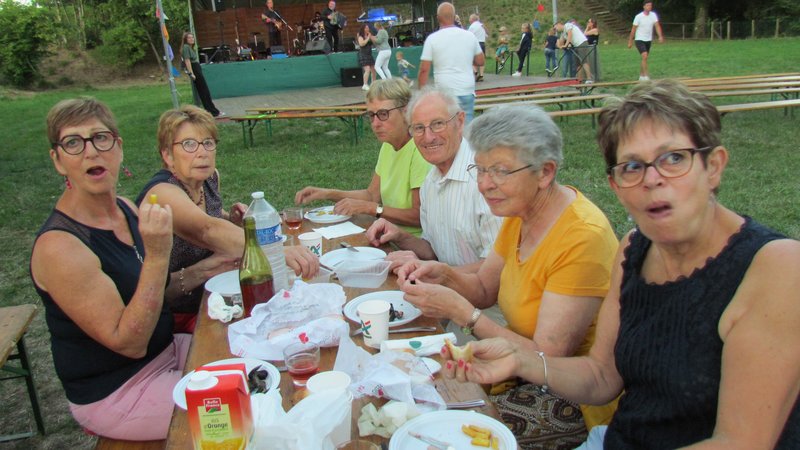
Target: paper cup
(312,241)
(333,380)
(374,317)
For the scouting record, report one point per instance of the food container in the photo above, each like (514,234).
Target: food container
(323,276)
(362,274)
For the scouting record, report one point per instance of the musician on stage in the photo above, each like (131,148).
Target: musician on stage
(331,27)
(274,24)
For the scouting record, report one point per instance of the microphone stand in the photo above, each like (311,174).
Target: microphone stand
(288,27)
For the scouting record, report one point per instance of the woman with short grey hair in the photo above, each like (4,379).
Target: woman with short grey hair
(549,270)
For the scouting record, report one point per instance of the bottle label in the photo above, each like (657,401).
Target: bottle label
(267,236)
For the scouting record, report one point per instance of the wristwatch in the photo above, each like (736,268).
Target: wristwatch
(467,329)
(378,211)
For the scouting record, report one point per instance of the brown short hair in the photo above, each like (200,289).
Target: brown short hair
(75,112)
(395,89)
(667,102)
(171,120)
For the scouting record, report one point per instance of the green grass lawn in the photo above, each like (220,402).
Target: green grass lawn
(760,179)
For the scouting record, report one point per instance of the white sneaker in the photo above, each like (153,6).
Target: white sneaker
(517,74)
(645,78)
(411,83)
(365,87)
(589,81)
(641,78)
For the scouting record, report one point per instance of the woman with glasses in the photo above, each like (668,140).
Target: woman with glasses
(700,324)
(549,269)
(393,192)
(208,240)
(100,266)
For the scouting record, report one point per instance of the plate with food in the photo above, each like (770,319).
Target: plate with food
(405,312)
(461,429)
(335,257)
(226,283)
(257,379)
(325,214)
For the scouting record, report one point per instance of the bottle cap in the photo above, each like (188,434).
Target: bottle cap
(201,379)
(258,194)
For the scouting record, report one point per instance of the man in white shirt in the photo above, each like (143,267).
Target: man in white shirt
(480,31)
(576,40)
(642,32)
(453,51)
(458,228)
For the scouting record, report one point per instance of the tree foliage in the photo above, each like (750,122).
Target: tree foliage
(24,35)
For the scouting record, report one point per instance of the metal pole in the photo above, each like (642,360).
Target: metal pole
(777,28)
(191,20)
(753,29)
(166,53)
(555,19)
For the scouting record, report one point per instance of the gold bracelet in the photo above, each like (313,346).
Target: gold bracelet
(183,287)
(543,388)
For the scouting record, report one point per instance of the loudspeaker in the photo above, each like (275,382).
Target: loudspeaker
(277,50)
(316,47)
(218,5)
(348,44)
(351,76)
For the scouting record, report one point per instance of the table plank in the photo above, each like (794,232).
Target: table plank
(14,320)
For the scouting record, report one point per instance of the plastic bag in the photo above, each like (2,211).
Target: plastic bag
(307,312)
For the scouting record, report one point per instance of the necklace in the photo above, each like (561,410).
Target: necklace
(202,194)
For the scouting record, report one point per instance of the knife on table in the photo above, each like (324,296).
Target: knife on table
(431,441)
(349,247)
(402,330)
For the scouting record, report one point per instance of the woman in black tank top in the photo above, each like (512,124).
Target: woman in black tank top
(700,327)
(101,272)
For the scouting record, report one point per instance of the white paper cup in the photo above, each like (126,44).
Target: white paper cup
(374,316)
(332,380)
(312,241)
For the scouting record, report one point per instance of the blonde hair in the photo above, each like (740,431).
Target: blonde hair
(171,120)
(395,89)
(399,55)
(75,112)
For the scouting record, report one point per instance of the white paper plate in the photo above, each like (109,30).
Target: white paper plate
(329,217)
(335,257)
(410,312)
(274,378)
(226,283)
(446,426)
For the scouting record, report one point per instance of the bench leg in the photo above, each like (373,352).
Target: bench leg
(244,135)
(25,372)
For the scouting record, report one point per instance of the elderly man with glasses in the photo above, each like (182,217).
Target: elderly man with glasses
(458,228)
(393,192)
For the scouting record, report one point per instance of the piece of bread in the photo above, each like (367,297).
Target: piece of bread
(459,353)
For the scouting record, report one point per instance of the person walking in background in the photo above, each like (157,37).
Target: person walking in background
(402,67)
(454,52)
(575,39)
(480,32)
(365,58)
(192,63)
(551,42)
(502,48)
(381,41)
(525,43)
(642,32)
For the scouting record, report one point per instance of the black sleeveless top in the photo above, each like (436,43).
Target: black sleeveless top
(185,254)
(88,370)
(669,352)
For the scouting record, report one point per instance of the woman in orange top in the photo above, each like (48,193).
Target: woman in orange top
(549,270)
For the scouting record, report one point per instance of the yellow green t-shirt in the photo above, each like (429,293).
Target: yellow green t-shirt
(400,172)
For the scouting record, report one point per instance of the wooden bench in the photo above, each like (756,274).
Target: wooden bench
(518,92)
(706,82)
(742,86)
(307,109)
(353,120)
(786,93)
(14,321)
(587,88)
(742,77)
(725,109)
(516,98)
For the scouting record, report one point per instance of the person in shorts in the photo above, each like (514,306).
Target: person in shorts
(502,48)
(402,66)
(642,33)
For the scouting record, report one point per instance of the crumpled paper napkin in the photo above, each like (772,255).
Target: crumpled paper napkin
(339,230)
(218,310)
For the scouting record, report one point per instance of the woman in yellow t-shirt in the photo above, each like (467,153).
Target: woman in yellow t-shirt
(549,270)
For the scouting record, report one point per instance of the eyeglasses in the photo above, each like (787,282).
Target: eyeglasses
(191,145)
(382,114)
(499,176)
(437,126)
(75,144)
(674,164)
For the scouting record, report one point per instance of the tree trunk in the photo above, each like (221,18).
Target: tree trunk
(81,26)
(152,46)
(701,17)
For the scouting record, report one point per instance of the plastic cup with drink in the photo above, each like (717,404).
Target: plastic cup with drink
(302,361)
(293,217)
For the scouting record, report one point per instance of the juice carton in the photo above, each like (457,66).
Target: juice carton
(218,404)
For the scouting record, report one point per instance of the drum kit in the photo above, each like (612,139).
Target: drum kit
(314,32)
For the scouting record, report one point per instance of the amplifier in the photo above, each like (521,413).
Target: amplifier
(317,47)
(351,76)
(277,50)
(348,44)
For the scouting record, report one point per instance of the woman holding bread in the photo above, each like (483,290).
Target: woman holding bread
(549,269)
(703,302)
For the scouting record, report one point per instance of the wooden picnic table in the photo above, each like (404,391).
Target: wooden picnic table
(742,77)
(516,98)
(210,343)
(739,86)
(269,110)
(701,82)
(352,118)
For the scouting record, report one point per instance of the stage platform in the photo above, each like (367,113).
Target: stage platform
(338,96)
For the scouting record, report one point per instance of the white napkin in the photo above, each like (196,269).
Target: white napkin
(339,230)
(218,310)
(422,346)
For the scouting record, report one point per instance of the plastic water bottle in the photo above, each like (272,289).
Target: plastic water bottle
(270,237)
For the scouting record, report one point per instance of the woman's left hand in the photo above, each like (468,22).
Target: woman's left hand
(237,213)
(302,261)
(437,301)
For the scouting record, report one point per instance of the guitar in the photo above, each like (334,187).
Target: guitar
(278,24)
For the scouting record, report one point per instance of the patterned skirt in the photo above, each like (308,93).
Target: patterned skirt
(541,421)
(365,60)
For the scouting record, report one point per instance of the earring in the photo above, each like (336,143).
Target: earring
(66,180)
(126,171)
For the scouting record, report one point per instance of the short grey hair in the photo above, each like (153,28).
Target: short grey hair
(434,90)
(526,129)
